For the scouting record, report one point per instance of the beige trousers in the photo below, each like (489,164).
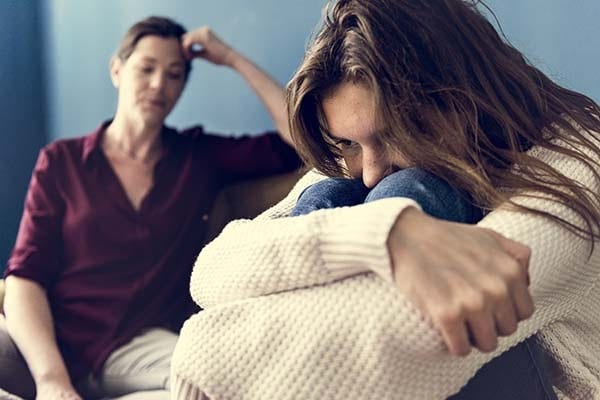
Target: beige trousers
(139,369)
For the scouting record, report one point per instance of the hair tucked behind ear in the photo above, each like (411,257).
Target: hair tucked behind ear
(151,26)
(455,97)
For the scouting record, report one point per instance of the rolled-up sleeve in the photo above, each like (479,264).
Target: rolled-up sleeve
(36,254)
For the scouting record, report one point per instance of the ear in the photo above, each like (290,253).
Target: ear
(115,66)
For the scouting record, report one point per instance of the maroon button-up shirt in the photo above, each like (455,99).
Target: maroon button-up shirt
(109,270)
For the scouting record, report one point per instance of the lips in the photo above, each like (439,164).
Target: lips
(157,103)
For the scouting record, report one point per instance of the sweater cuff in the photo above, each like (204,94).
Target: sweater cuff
(354,239)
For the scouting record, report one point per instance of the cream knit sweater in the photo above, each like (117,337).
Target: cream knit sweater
(305,307)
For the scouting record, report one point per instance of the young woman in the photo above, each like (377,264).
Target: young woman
(96,284)
(380,300)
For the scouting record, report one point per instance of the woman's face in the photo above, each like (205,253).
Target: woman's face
(350,113)
(151,80)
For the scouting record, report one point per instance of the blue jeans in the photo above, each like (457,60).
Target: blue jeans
(516,374)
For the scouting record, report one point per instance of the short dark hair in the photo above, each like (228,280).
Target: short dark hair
(151,26)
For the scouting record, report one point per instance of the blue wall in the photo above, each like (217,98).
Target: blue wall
(83,35)
(557,35)
(562,37)
(22,114)
(73,41)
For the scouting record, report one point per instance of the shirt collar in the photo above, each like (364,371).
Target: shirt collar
(92,142)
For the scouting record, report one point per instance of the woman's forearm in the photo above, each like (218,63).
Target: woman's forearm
(272,254)
(29,323)
(270,92)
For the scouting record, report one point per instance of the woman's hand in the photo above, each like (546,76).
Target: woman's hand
(471,282)
(56,391)
(210,47)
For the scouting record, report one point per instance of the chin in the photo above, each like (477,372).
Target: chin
(152,118)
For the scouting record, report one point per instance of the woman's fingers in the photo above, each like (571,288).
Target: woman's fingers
(455,334)
(471,282)
(518,251)
(204,43)
(482,328)
(523,301)
(506,318)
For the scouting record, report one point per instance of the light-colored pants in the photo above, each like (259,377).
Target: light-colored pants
(139,369)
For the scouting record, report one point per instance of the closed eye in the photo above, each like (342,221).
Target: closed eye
(344,143)
(175,75)
(147,69)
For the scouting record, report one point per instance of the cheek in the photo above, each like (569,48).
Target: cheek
(129,91)
(175,91)
(133,88)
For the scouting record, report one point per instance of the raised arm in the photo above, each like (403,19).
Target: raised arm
(271,93)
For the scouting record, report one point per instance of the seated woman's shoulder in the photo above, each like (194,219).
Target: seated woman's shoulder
(195,132)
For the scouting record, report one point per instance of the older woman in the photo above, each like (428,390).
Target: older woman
(97,283)
(367,292)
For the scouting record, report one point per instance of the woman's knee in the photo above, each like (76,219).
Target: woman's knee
(330,193)
(435,196)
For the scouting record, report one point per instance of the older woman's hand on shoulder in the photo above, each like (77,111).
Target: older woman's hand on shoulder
(471,282)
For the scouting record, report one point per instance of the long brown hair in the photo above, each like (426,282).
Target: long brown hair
(455,97)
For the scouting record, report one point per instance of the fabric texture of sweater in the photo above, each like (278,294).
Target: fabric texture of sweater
(305,307)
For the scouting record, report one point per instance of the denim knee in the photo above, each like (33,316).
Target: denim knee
(518,373)
(330,193)
(435,196)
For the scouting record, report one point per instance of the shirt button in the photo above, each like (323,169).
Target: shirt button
(204,217)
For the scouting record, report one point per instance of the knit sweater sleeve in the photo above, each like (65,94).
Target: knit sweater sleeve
(275,253)
(562,263)
(361,328)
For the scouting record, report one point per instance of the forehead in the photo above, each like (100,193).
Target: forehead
(159,49)
(350,111)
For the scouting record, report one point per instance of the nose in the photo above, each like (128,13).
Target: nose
(157,80)
(375,167)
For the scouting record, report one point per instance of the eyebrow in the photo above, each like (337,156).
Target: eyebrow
(336,138)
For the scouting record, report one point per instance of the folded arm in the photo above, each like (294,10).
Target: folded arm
(272,254)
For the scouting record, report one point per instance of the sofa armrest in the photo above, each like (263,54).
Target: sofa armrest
(248,199)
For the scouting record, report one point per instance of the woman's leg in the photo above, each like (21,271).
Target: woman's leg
(516,374)
(330,193)
(141,367)
(14,373)
(435,196)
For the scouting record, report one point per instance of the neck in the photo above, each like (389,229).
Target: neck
(131,140)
